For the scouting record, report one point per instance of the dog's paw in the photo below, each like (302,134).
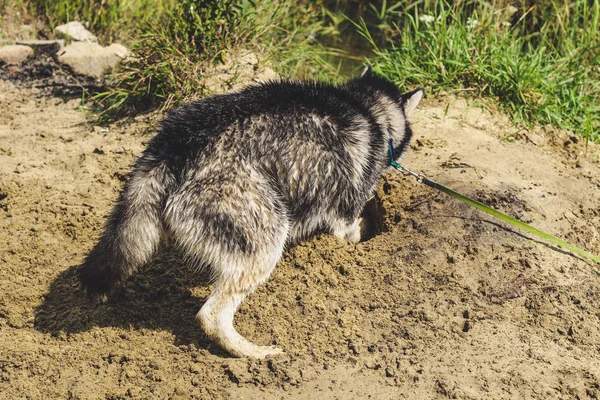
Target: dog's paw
(352,236)
(251,350)
(268,351)
(350,233)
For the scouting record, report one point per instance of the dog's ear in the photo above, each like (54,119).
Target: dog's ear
(367,72)
(411,100)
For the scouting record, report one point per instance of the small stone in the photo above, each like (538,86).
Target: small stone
(180,390)
(15,54)
(100,129)
(196,369)
(130,373)
(118,50)
(75,30)
(91,59)
(134,391)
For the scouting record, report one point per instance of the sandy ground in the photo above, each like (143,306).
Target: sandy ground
(444,302)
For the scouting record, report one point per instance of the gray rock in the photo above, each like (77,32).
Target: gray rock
(74,30)
(15,54)
(118,50)
(91,59)
(49,47)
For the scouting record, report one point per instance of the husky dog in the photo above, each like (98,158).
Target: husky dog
(234,178)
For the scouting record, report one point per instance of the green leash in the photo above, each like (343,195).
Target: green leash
(553,239)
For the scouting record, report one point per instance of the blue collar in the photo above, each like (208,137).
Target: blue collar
(392,154)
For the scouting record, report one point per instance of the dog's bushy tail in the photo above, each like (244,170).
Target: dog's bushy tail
(132,233)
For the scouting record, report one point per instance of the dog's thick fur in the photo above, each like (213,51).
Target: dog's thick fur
(234,178)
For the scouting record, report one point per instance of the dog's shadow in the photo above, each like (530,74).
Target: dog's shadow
(159,297)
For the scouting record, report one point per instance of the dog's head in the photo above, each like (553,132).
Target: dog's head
(391,108)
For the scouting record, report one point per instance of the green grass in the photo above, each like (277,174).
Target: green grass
(541,64)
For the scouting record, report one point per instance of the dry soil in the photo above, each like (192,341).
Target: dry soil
(442,302)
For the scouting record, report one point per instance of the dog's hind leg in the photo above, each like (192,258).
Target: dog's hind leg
(238,228)
(233,284)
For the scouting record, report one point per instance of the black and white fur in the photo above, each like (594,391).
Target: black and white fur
(235,178)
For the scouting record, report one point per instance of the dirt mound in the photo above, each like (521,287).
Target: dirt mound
(441,301)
